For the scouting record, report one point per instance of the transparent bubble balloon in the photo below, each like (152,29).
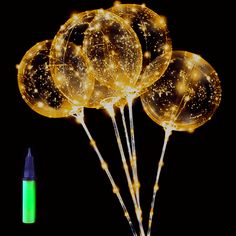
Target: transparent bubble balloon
(36,85)
(152,32)
(186,96)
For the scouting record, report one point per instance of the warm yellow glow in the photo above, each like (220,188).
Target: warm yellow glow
(136,185)
(126,214)
(93,143)
(38,46)
(29,67)
(134,157)
(115,190)
(74,16)
(132,131)
(107,16)
(116,3)
(138,212)
(151,212)
(147,54)
(106,39)
(75,102)
(167,47)
(132,163)
(143,27)
(196,58)
(78,50)
(97,26)
(59,78)
(196,75)
(190,131)
(40,104)
(125,166)
(161,163)
(156,187)
(187,98)
(104,165)
(181,87)
(189,64)
(149,223)
(58,47)
(127,21)
(162,20)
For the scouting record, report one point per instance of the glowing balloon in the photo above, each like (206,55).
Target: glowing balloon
(152,32)
(36,85)
(186,96)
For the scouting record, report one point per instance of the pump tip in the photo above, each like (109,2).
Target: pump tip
(29,171)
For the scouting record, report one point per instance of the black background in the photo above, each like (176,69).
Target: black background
(73,193)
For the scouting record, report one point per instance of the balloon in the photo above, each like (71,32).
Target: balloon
(152,32)
(186,96)
(36,84)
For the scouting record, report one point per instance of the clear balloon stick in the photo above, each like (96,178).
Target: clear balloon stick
(80,118)
(133,148)
(168,132)
(111,112)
